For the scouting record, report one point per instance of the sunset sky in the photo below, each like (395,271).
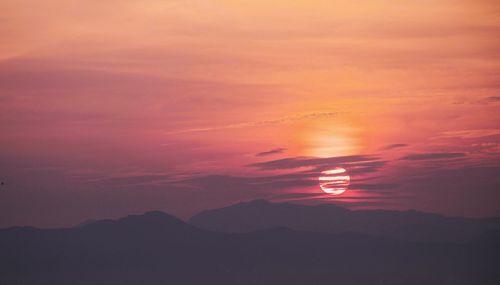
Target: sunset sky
(109,108)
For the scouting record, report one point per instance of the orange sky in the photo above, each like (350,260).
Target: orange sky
(93,90)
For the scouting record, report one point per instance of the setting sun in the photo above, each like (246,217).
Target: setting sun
(334,181)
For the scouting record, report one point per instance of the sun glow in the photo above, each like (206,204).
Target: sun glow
(334,181)
(330,138)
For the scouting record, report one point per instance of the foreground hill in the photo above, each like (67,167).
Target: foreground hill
(156,248)
(405,225)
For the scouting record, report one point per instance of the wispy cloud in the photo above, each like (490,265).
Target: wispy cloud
(374,186)
(433,155)
(493,99)
(129,180)
(469,134)
(306,116)
(271,152)
(298,162)
(394,145)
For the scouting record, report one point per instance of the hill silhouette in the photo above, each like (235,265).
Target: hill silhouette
(157,248)
(406,225)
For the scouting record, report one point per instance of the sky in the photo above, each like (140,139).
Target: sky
(109,108)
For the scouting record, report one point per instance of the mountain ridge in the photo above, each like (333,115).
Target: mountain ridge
(157,248)
(408,225)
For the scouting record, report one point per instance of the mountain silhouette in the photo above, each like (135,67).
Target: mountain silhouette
(406,225)
(157,248)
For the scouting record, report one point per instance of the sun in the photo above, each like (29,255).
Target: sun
(334,181)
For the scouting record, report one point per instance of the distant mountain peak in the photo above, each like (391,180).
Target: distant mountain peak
(84,223)
(149,220)
(152,216)
(407,225)
(158,214)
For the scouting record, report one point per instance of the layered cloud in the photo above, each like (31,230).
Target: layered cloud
(394,145)
(433,155)
(271,152)
(298,162)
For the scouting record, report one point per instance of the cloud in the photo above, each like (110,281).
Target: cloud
(300,117)
(271,152)
(279,187)
(297,162)
(366,167)
(43,92)
(470,134)
(433,155)
(364,186)
(353,168)
(466,190)
(300,196)
(351,202)
(393,146)
(130,180)
(272,183)
(493,99)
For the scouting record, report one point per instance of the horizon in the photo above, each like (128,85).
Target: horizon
(187,219)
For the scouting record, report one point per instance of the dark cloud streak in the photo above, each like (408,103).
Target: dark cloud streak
(493,99)
(297,162)
(271,152)
(433,155)
(128,181)
(395,145)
